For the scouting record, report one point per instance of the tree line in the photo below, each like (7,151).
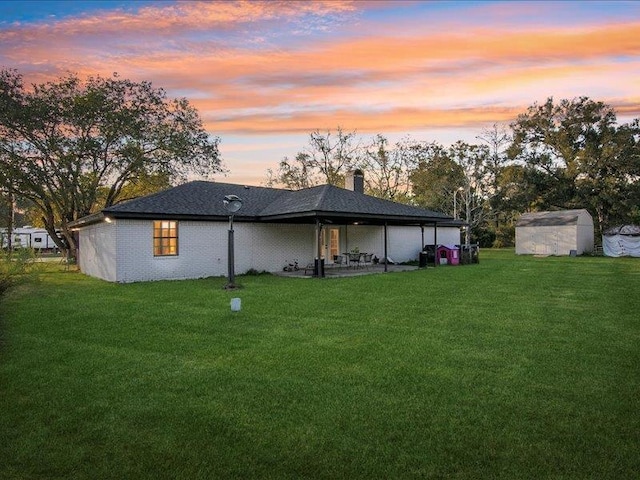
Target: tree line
(555,155)
(71,147)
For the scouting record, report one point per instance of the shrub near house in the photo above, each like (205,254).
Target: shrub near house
(15,267)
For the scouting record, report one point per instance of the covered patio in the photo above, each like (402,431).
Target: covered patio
(328,207)
(344,271)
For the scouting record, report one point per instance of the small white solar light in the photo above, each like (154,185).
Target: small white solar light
(236,304)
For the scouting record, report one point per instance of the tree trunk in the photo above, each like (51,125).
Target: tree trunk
(72,246)
(61,242)
(12,221)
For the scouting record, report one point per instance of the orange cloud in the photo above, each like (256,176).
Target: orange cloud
(391,120)
(230,60)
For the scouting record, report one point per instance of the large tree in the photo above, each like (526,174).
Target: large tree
(436,179)
(72,146)
(579,157)
(498,139)
(293,174)
(387,169)
(455,180)
(326,159)
(476,188)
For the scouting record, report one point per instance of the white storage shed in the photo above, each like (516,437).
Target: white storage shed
(561,232)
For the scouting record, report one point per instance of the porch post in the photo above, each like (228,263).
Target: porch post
(346,237)
(386,253)
(435,244)
(319,266)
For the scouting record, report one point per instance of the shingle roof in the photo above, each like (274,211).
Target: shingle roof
(331,200)
(555,218)
(203,200)
(198,198)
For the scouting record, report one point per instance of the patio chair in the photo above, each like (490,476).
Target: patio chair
(354,260)
(366,259)
(338,260)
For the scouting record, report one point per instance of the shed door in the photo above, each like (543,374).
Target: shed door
(551,242)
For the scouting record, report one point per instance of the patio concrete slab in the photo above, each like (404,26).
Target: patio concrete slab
(332,272)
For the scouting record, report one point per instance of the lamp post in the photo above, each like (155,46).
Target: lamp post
(232,203)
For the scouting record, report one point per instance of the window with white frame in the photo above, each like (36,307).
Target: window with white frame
(165,238)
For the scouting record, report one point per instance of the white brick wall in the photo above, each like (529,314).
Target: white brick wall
(405,243)
(122,251)
(270,247)
(202,249)
(97,251)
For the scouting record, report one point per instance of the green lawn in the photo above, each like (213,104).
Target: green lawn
(516,368)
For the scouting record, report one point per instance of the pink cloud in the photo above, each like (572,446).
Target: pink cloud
(183,16)
(390,120)
(391,79)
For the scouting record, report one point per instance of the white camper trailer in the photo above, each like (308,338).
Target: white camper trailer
(27,237)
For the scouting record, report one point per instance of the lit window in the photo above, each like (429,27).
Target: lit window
(165,238)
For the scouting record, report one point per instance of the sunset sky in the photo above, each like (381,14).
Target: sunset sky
(263,75)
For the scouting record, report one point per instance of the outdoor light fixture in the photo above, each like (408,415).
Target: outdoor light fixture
(232,203)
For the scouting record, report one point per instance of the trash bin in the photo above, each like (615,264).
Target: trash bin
(424,258)
(318,269)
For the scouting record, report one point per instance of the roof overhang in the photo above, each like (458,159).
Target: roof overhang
(87,220)
(351,218)
(311,217)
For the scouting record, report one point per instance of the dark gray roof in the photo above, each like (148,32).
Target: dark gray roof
(200,199)
(331,202)
(327,203)
(555,218)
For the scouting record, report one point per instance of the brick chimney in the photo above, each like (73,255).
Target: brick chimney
(354,180)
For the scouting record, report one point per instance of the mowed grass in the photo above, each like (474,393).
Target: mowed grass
(515,368)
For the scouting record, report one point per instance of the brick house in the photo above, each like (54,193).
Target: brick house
(182,232)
